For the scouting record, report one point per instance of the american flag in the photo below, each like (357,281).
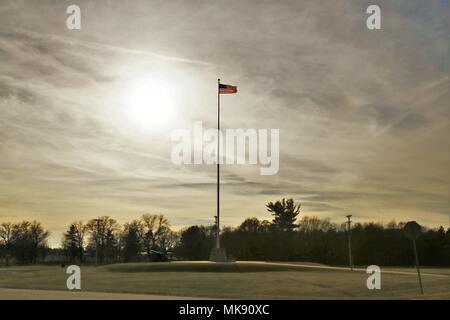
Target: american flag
(226,88)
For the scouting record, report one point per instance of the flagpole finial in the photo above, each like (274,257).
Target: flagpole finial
(218,80)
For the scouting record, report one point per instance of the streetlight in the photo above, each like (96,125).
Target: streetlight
(350,259)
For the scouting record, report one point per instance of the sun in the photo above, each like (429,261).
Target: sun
(152,104)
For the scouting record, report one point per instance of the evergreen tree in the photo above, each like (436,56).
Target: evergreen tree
(285,214)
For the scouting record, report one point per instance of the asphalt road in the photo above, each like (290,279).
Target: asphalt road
(27,294)
(312,266)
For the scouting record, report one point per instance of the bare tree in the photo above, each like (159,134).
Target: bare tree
(104,234)
(38,238)
(29,239)
(168,240)
(5,239)
(154,227)
(310,224)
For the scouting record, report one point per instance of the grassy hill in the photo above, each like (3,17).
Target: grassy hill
(242,280)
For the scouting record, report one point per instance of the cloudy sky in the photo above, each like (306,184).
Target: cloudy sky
(363,114)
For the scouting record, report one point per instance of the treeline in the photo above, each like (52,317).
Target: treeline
(283,238)
(147,238)
(25,241)
(101,240)
(321,241)
(316,240)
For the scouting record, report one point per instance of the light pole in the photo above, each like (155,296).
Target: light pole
(350,259)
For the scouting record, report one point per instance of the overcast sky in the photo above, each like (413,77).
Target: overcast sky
(363,114)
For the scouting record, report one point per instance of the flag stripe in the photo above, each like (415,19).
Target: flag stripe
(226,88)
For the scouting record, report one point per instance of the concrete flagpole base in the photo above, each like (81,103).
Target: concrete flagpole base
(218,255)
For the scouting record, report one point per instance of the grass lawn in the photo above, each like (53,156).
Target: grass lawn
(242,280)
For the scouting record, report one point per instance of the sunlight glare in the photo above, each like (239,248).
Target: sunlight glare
(152,104)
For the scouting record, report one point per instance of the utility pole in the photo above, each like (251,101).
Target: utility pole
(350,259)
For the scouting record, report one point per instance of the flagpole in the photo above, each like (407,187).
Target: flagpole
(218,166)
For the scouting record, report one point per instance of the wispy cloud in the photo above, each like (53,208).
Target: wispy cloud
(363,115)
